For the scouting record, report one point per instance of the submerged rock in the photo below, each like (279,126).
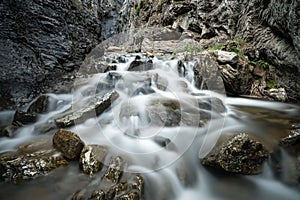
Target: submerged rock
(239,154)
(115,169)
(91,158)
(29,161)
(140,65)
(68,143)
(292,139)
(91,108)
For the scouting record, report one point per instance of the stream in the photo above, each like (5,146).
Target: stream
(163,125)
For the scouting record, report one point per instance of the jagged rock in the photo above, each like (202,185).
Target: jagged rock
(40,105)
(292,139)
(115,169)
(239,154)
(32,159)
(68,143)
(91,158)
(225,57)
(90,108)
(23,118)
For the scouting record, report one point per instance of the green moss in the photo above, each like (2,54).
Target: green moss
(233,49)
(217,47)
(263,63)
(270,84)
(160,4)
(138,8)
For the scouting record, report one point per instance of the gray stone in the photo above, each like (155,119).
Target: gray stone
(68,143)
(239,154)
(278,94)
(92,158)
(22,118)
(91,108)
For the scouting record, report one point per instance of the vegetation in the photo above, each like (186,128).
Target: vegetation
(138,8)
(270,84)
(192,49)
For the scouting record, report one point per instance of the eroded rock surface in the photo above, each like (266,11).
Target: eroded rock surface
(29,161)
(68,143)
(239,154)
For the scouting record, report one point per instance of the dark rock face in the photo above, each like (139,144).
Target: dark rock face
(91,158)
(271,26)
(22,118)
(42,41)
(90,108)
(29,161)
(239,154)
(292,139)
(68,143)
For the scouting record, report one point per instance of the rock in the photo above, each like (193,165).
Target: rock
(91,108)
(291,140)
(239,154)
(68,143)
(40,105)
(164,112)
(31,160)
(45,128)
(97,195)
(225,57)
(22,118)
(115,169)
(278,94)
(92,158)
(139,65)
(8,131)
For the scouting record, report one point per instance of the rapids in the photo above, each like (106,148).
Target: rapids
(162,144)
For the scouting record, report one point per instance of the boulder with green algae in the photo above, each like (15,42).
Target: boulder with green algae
(31,160)
(68,143)
(92,158)
(239,154)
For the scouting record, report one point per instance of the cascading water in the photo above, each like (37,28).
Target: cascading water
(162,124)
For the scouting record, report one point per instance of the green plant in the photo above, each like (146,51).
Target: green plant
(138,8)
(216,47)
(270,84)
(233,49)
(251,62)
(263,63)
(160,4)
(239,41)
(192,49)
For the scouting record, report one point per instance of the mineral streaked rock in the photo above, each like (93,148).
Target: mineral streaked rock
(29,161)
(93,107)
(91,158)
(239,154)
(292,139)
(68,143)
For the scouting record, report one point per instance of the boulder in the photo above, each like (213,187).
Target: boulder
(40,105)
(92,158)
(68,143)
(31,160)
(140,65)
(8,131)
(115,169)
(278,94)
(239,154)
(94,106)
(22,118)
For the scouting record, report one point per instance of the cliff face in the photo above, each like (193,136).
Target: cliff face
(43,41)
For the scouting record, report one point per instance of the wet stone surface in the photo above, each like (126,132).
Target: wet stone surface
(239,154)
(94,106)
(68,143)
(92,158)
(31,160)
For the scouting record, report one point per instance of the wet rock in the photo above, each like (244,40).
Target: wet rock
(225,57)
(23,118)
(239,154)
(291,140)
(97,195)
(40,105)
(8,131)
(164,112)
(45,128)
(277,94)
(115,169)
(91,108)
(139,65)
(91,158)
(29,161)
(68,143)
